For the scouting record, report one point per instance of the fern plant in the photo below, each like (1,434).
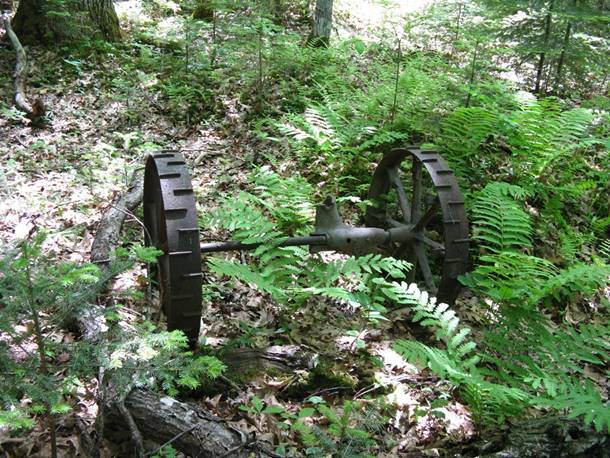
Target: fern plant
(326,128)
(335,145)
(505,273)
(523,349)
(458,361)
(465,129)
(521,361)
(541,132)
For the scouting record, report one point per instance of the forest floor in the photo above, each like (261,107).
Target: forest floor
(59,177)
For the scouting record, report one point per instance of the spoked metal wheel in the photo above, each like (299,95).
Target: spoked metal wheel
(170,217)
(415,190)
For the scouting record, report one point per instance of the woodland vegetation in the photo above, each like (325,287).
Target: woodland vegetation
(276,105)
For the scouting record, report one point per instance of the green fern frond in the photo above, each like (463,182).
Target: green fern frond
(542,132)
(510,277)
(586,402)
(492,403)
(435,359)
(500,223)
(383,137)
(581,278)
(242,272)
(600,225)
(439,317)
(287,199)
(324,126)
(466,128)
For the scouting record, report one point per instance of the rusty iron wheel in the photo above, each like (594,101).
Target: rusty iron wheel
(170,217)
(432,207)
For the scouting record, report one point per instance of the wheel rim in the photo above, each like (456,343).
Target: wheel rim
(432,207)
(170,218)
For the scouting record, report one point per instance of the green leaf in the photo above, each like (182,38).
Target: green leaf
(306,411)
(257,403)
(60,408)
(273,410)
(359,46)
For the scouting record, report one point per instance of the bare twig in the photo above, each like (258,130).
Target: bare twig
(173,439)
(36,109)
(136,436)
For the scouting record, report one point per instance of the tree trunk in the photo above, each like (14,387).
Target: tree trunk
(564,48)
(33,23)
(547,34)
(204,11)
(30,22)
(322,26)
(103,14)
(566,41)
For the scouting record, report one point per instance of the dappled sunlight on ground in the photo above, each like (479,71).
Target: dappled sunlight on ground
(368,17)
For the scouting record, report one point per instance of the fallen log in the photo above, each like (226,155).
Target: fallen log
(35,110)
(557,437)
(284,358)
(108,230)
(91,321)
(187,427)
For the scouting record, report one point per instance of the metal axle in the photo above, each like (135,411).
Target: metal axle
(330,234)
(214,247)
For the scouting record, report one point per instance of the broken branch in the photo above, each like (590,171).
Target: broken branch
(36,109)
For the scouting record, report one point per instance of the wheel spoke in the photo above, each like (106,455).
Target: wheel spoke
(431,243)
(422,260)
(403,202)
(417,189)
(424,220)
(392,222)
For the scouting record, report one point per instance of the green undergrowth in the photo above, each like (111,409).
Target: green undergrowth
(43,375)
(523,357)
(534,171)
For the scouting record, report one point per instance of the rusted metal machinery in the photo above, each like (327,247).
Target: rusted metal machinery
(424,223)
